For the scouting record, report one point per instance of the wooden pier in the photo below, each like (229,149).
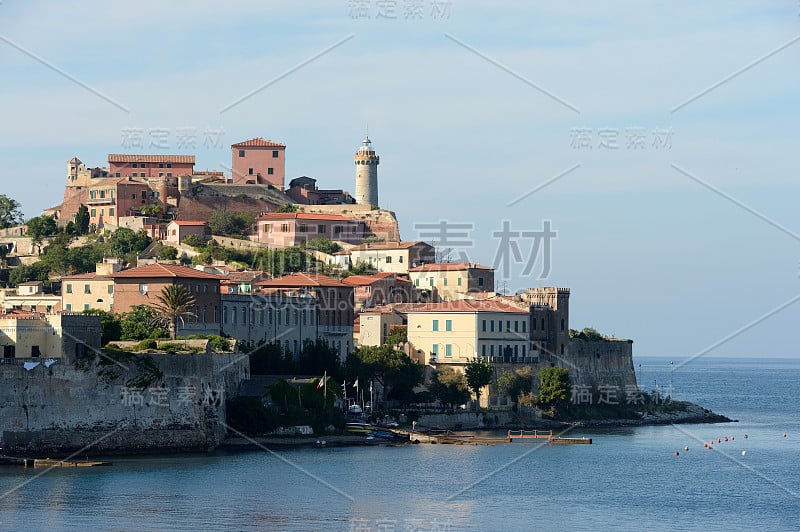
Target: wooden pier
(450,438)
(49,462)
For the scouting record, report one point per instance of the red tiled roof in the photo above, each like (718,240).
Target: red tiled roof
(465,305)
(448,267)
(87,277)
(386,245)
(133,158)
(302,279)
(363,280)
(304,216)
(164,270)
(188,223)
(258,142)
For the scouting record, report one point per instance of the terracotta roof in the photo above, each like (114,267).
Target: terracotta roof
(466,305)
(87,277)
(133,158)
(30,283)
(245,277)
(386,245)
(258,142)
(188,223)
(305,216)
(449,266)
(302,279)
(364,280)
(164,270)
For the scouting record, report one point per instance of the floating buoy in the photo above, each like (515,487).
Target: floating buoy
(745,436)
(705,446)
(677,453)
(686,448)
(744,453)
(719,441)
(726,438)
(784,434)
(732,438)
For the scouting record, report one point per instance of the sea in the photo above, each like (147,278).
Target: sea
(628,479)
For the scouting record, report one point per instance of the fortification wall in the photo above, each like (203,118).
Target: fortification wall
(64,409)
(602,363)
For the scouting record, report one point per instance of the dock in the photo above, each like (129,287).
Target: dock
(446,437)
(48,462)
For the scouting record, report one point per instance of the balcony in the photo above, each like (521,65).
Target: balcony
(100,201)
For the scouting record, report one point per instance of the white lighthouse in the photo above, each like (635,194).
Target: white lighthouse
(367,174)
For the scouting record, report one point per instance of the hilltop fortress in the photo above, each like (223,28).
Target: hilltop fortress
(132,186)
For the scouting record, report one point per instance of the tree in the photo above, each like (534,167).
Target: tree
(449,387)
(479,373)
(193,240)
(288,207)
(141,323)
(38,271)
(516,383)
(10,213)
(110,325)
(128,243)
(398,334)
(82,220)
(153,210)
(325,245)
(393,369)
(554,387)
(40,228)
(224,222)
(167,253)
(175,304)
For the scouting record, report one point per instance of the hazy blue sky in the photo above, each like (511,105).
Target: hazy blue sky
(679,237)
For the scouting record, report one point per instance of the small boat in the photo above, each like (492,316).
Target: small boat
(359,428)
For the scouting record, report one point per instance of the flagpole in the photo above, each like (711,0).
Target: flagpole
(325,390)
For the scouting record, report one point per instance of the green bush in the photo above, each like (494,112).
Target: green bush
(149,343)
(167,253)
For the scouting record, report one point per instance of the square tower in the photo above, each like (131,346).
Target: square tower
(259,162)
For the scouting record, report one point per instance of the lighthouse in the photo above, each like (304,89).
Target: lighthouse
(367,161)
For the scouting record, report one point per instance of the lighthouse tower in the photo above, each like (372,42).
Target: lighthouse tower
(367,174)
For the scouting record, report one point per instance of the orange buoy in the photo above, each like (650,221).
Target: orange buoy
(719,441)
(705,446)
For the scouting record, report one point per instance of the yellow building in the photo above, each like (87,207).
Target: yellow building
(375,325)
(457,332)
(444,280)
(32,335)
(91,290)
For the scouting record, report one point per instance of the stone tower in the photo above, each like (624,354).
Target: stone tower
(75,169)
(367,174)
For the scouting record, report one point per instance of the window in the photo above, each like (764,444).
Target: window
(400,259)
(86,306)
(491,350)
(102,194)
(143,289)
(160,165)
(144,194)
(321,229)
(111,289)
(270,171)
(562,349)
(169,174)
(241,153)
(249,171)
(508,325)
(169,165)
(69,288)
(135,165)
(94,213)
(225,314)
(416,282)
(142,165)
(445,281)
(69,306)
(284,228)
(483,326)
(499,325)
(516,326)
(35,352)
(388,259)
(459,281)
(161,174)
(430,281)
(448,325)
(523,350)
(483,350)
(524,326)
(102,211)
(562,324)
(116,174)
(435,349)
(244,315)
(234,314)
(542,323)
(448,350)
(87,289)
(480,281)
(491,325)
(111,211)
(435,325)
(274,154)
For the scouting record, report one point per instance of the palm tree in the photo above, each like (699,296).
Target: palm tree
(175,304)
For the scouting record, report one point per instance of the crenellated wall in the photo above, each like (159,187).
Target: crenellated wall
(601,363)
(63,409)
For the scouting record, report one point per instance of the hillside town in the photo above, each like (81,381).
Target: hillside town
(266,263)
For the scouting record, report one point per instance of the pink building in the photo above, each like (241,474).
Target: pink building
(279,229)
(178,230)
(260,162)
(132,165)
(110,199)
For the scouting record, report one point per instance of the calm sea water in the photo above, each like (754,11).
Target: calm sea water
(629,479)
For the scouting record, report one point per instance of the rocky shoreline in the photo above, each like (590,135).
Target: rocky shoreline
(692,414)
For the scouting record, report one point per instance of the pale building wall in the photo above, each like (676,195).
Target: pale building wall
(289,321)
(375,326)
(260,159)
(84,294)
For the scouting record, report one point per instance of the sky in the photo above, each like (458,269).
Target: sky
(643,154)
